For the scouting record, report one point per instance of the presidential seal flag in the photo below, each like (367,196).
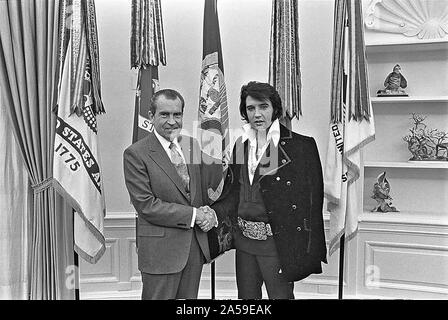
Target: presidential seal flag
(351,125)
(213,114)
(214,125)
(76,163)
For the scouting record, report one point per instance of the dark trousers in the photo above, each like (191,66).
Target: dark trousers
(180,285)
(253,270)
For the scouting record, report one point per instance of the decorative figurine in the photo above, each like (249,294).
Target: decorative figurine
(394,83)
(381,190)
(426,144)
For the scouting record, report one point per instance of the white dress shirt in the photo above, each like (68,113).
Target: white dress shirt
(254,156)
(166,145)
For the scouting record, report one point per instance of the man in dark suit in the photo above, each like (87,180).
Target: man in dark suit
(163,177)
(274,194)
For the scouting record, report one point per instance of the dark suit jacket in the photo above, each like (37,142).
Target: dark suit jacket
(291,184)
(164,211)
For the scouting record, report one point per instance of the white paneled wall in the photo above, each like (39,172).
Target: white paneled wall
(389,258)
(403,259)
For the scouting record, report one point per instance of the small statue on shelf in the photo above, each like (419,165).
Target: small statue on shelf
(426,144)
(395,84)
(381,190)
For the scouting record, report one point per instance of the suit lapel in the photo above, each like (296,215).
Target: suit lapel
(274,158)
(158,154)
(193,172)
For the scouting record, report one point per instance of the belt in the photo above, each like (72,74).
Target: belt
(256,230)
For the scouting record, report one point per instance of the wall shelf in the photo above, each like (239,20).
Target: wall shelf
(416,237)
(407,164)
(421,45)
(412,99)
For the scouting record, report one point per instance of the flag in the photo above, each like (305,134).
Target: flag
(147,51)
(284,62)
(351,125)
(76,164)
(213,128)
(213,114)
(147,85)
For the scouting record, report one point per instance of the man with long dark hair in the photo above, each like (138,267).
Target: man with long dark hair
(274,194)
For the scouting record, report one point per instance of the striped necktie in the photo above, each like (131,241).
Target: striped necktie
(180,166)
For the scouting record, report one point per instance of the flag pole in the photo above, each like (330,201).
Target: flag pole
(76,262)
(213,111)
(213,279)
(341,266)
(75,259)
(345,93)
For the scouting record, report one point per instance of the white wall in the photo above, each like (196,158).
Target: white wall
(245,32)
(115,127)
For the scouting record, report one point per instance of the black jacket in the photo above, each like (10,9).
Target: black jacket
(291,184)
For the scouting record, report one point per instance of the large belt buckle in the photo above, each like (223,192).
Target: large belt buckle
(254,230)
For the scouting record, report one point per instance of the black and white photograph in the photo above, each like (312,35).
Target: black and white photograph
(224,155)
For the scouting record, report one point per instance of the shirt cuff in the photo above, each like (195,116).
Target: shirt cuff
(216,219)
(193,219)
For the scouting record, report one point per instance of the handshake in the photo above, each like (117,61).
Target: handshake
(206,218)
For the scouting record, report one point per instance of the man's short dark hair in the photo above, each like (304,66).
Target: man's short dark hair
(169,94)
(260,91)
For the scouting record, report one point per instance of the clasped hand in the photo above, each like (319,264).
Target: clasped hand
(205,218)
